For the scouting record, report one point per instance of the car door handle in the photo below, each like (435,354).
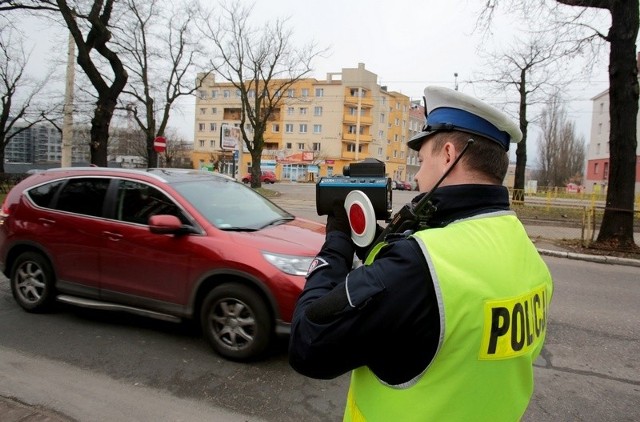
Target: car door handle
(113,236)
(46,221)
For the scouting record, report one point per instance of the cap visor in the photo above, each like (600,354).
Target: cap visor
(416,142)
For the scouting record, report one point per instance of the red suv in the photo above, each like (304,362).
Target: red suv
(266,176)
(169,244)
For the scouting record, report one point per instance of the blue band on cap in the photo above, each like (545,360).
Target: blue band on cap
(456,119)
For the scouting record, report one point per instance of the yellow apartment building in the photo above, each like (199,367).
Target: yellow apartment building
(321,127)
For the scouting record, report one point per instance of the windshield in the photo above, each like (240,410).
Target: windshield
(229,205)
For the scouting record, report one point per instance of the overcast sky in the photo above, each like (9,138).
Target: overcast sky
(409,44)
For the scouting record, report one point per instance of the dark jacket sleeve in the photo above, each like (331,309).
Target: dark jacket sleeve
(347,318)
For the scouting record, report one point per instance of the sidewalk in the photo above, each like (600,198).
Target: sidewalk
(14,411)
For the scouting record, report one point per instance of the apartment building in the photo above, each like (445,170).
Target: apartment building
(597,169)
(321,127)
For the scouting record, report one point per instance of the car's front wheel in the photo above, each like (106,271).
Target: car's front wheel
(32,282)
(236,322)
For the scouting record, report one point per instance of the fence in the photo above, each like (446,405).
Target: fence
(557,215)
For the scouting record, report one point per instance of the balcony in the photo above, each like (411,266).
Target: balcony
(351,137)
(365,102)
(350,119)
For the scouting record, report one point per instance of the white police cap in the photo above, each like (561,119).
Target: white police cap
(446,110)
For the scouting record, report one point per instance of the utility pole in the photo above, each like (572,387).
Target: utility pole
(67,122)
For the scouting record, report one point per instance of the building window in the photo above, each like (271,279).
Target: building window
(595,168)
(379,151)
(203,110)
(226,93)
(601,108)
(303,111)
(599,128)
(214,110)
(381,134)
(214,93)
(251,93)
(382,117)
(301,146)
(212,143)
(201,127)
(397,121)
(316,146)
(605,170)
(317,128)
(303,128)
(597,148)
(291,93)
(202,143)
(352,148)
(288,128)
(202,95)
(319,92)
(213,127)
(357,92)
(305,92)
(352,129)
(288,145)
(317,111)
(237,93)
(290,111)
(275,128)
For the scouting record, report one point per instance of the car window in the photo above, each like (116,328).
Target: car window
(43,195)
(230,205)
(136,202)
(83,196)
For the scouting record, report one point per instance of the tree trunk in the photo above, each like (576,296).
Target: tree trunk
(617,222)
(100,131)
(521,150)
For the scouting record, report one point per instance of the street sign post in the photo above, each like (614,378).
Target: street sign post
(159,145)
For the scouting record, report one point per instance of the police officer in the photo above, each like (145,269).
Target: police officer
(444,323)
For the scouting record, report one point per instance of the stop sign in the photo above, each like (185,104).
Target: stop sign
(160,144)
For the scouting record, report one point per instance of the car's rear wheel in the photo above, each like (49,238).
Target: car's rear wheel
(236,322)
(32,282)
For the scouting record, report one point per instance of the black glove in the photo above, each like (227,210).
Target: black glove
(337,219)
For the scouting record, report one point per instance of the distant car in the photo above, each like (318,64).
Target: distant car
(266,176)
(164,243)
(400,185)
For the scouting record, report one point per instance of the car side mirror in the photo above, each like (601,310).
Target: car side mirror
(167,224)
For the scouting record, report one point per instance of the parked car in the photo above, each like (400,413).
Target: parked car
(400,185)
(164,243)
(266,176)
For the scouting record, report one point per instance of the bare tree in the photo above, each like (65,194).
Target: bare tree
(160,55)
(617,223)
(261,63)
(17,91)
(561,151)
(96,23)
(529,69)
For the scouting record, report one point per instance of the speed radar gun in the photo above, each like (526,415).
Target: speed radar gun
(366,192)
(362,214)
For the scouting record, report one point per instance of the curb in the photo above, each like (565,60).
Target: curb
(592,258)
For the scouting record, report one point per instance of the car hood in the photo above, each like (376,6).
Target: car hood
(296,237)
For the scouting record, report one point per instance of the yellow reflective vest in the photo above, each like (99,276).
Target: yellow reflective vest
(493,291)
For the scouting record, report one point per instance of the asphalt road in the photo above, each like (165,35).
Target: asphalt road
(96,366)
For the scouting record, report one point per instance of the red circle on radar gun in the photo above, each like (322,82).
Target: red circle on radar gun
(357,219)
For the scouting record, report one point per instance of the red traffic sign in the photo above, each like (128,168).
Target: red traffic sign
(160,144)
